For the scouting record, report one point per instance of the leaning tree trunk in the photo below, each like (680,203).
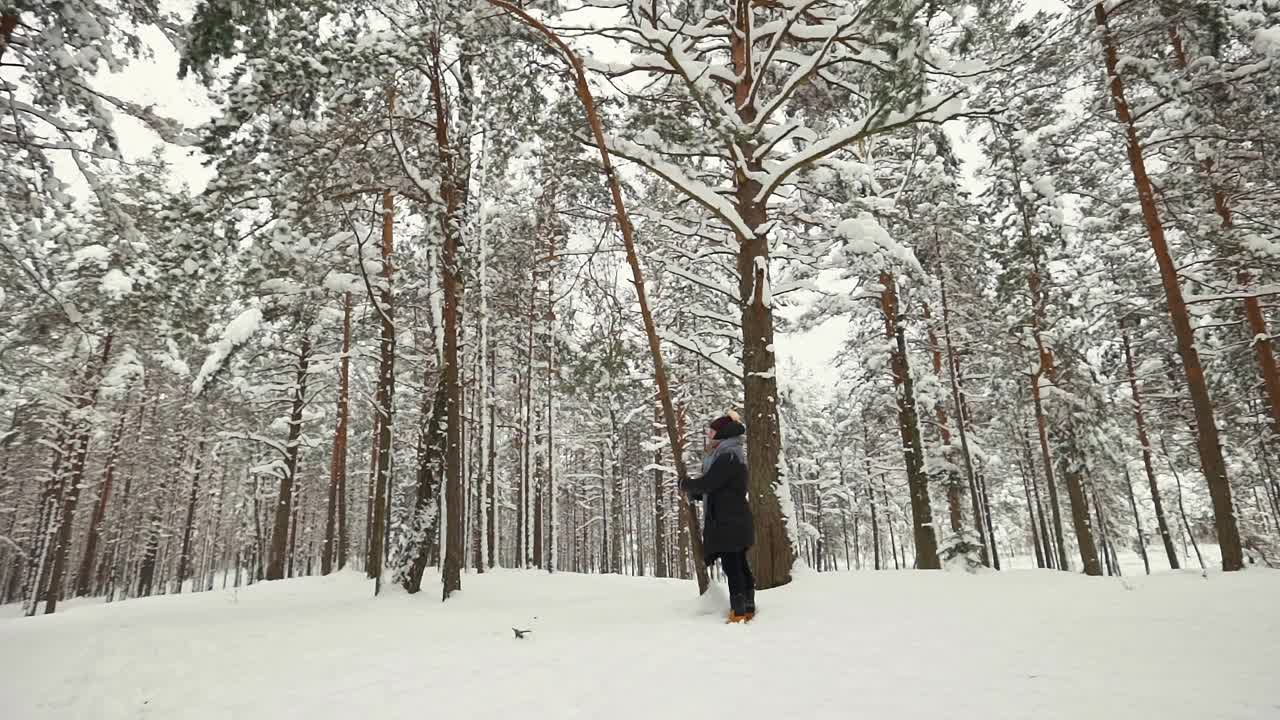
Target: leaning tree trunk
(284,499)
(1208,443)
(1260,339)
(926,542)
(624,224)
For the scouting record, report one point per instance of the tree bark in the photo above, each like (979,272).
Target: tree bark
(926,543)
(1137,522)
(958,397)
(1208,444)
(954,500)
(430,460)
(69,486)
(284,499)
(1071,472)
(338,462)
(1162,523)
(491,507)
(1031,516)
(188,527)
(773,555)
(452,191)
(151,543)
(659,513)
(384,397)
(84,577)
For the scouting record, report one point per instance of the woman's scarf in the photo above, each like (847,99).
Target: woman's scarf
(728,446)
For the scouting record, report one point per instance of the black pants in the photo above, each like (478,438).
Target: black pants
(737,572)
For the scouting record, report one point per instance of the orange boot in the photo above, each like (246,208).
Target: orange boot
(737,609)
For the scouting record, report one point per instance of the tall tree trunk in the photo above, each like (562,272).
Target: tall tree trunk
(530,478)
(909,426)
(491,507)
(1208,444)
(953,484)
(1031,515)
(431,453)
(453,190)
(537,490)
(385,395)
(284,498)
(1137,521)
(1140,418)
(78,449)
(659,512)
(335,516)
(773,554)
(155,520)
(615,477)
(188,527)
(1046,459)
(84,577)
(371,487)
(871,495)
(1052,557)
(1071,467)
(990,521)
(958,397)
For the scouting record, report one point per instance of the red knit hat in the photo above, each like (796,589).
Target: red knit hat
(729,417)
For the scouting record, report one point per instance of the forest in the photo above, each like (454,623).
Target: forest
(460,283)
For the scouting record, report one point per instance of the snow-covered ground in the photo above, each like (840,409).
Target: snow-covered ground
(890,645)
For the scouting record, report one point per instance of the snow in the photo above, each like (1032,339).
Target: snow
(95,253)
(237,332)
(115,284)
(1267,41)
(864,235)
(126,368)
(903,645)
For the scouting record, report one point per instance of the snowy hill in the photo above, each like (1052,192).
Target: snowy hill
(1021,644)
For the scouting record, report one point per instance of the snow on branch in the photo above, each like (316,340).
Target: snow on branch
(254,437)
(1263,291)
(238,332)
(719,359)
(707,283)
(696,190)
(935,109)
(863,235)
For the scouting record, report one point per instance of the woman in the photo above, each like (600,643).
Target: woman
(728,530)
